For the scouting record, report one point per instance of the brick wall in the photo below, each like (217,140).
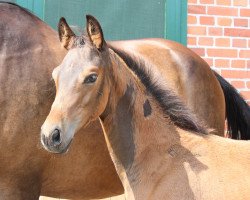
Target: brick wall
(219,31)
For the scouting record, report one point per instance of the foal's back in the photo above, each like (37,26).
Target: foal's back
(220,170)
(185,73)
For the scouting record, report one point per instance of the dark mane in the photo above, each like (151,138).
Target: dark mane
(170,103)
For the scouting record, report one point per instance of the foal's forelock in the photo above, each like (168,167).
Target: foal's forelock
(80,41)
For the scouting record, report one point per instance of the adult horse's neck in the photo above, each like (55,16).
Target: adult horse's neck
(141,140)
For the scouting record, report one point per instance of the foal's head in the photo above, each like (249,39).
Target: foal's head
(82,86)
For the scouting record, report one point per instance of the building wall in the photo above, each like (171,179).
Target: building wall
(121,19)
(219,31)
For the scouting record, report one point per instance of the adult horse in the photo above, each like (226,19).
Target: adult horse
(29,50)
(158,148)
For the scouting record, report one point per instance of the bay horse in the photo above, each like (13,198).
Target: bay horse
(29,50)
(159,148)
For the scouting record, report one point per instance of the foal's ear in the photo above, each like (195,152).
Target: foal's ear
(95,32)
(65,33)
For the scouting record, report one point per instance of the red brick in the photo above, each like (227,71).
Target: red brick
(223,2)
(191,40)
(244,53)
(192,1)
(248,84)
(222,42)
(240,2)
(209,61)
(245,94)
(207,1)
(248,64)
(244,12)
(196,30)
(238,84)
(223,21)
(196,9)
(237,32)
(222,11)
(238,64)
(239,43)
(206,41)
(230,53)
(235,74)
(241,22)
(222,63)
(192,19)
(214,31)
(199,51)
(206,20)
(249,43)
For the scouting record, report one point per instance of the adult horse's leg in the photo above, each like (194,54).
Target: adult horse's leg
(237,111)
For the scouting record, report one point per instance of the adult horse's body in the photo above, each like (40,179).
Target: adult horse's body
(158,148)
(29,50)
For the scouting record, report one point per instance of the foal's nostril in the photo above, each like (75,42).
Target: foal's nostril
(56,137)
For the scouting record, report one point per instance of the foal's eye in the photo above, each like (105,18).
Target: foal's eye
(90,79)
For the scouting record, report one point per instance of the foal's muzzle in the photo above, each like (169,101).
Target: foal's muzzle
(54,141)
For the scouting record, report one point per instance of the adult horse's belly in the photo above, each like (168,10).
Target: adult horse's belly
(186,73)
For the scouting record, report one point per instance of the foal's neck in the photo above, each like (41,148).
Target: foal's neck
(137,132)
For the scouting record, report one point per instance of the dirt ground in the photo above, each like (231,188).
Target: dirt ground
(121,197)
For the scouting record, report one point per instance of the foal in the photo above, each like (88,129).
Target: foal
(158,148)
